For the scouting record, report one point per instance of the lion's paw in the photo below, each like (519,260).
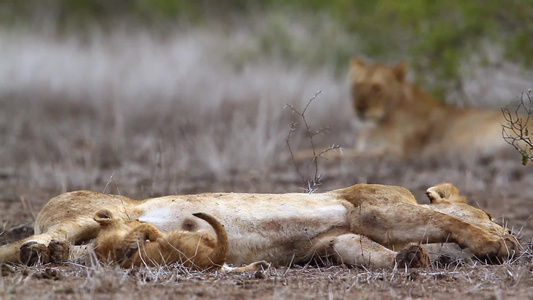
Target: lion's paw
(32,253)
(413,256)
(59,250)
(433,195)
(502,249)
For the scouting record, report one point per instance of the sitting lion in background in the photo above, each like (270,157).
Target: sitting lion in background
(401,120)
(134,243)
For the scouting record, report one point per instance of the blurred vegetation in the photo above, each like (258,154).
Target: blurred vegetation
(434,36)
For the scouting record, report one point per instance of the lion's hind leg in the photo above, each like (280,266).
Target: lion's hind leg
(357,250)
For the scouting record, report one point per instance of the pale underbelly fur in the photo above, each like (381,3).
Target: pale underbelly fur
(267,229)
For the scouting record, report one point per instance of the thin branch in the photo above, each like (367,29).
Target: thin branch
(316,179)
(515,131)
(288,141)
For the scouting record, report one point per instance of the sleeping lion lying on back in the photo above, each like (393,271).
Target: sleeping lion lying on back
(400,120)
(370,225)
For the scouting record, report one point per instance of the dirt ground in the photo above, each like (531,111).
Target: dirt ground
(55,146)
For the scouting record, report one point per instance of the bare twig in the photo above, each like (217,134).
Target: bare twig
(515,131)
(316,179)
(291,132)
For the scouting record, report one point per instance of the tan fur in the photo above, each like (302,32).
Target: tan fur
(133,243)
(445,198)
(364,224)
(400,120)
(444,193)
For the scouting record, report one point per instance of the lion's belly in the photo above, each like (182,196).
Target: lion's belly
(260,227)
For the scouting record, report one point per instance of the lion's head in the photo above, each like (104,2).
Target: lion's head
(376,89)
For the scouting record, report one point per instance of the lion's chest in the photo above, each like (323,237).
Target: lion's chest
(258,226)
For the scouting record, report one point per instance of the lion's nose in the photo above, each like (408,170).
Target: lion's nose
(360,109)
(361,106)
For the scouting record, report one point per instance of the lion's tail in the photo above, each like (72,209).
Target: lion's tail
(219,254)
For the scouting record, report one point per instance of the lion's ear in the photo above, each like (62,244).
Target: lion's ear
(103,216)
(400,71)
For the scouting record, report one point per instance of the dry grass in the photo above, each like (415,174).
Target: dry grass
(137,100)
(143,115)
(336,282)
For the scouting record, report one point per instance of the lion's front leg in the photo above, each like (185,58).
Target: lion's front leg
(144,232)
(37,249)
(398,224)
(357,250)
(354,249)
(53,245)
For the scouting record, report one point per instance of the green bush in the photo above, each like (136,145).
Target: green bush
(434,36)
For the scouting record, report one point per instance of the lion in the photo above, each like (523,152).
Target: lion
(370,225)
(134,243)
(400,120)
